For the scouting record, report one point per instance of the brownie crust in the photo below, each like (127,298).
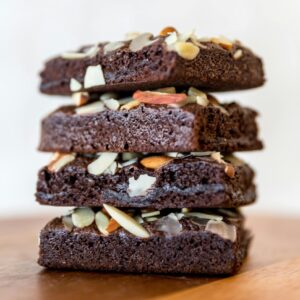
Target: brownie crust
(152,128)
(193,251)
(197,182)
(214,69)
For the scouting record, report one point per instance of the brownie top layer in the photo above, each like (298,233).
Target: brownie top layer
(151,128)
(147,181)
(147,62)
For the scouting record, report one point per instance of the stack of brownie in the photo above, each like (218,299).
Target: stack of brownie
(145,155)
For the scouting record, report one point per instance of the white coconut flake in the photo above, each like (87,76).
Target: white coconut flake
(140,186)
(222,229)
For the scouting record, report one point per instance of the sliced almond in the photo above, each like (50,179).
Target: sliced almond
(186,50)
(92,51)
(131,35)
(112,169)
(80,98)
(140,42)
(112,47)
(229,170)
(93,77)
(185,210)
(222,229)
(199,96)
(75,85)
(126,221)
(155,162)
(129,162)
(201,215)
(151,219)
(128,156)
(60,161)
(207,153)
(238,54)
(102,222)
(83,217)
(91,108)
(98,166)
(167,31)
(150,214)
(73,55)
(171,39)
(112,104)
(130,105)
(223,42)
(140,186)
(174,154)
(158,98)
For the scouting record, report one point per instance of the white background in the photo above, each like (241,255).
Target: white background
(33,30)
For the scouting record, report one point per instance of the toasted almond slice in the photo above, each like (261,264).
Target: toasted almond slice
(75,85)
(186,50)
(80,98)
(222,229)
(140,186)
(98,166)
(102,222)
(223,42)
(199,96)
(60,161)
(167,31)
(112,226)
(130,105)
(158,98)
(112,47)
(238,54)
(91,108)
(127,222)
(229,170)
(150,214)
(83,217)
(155,162)
(201,215)
(109,95)
(112,104)
(93,76)
(140,42)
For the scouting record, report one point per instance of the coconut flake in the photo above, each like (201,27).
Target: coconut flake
(169,225)
(140,186)
(222,229)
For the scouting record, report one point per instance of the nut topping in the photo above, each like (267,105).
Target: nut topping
(126,221)
(75,85)
(155,162)
(91,108)
(111,104)
(83,217)
(222,229)
(167,31)
(238,54)
(102,222)
(80,98)
(223,42)
(140,42)
(130,105)
(93,77)
(140,186)
(112,47)
(186,50)
(60,160)
(158,98)
(229,170)
(104,161)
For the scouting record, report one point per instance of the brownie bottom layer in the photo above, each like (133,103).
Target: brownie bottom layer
(193,251)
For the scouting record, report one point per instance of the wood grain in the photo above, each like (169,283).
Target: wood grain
(271,270)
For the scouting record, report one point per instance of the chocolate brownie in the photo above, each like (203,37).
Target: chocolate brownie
(193,249)
(156,65)
(152,128)
(189,181)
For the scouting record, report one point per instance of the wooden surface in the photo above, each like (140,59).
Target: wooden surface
(272,270)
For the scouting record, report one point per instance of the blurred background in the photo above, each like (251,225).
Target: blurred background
(33,30)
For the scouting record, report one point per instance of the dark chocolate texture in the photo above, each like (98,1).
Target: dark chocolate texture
(183,182)
(214,69)
(152,128)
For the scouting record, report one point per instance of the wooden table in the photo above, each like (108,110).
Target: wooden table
(272,270)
